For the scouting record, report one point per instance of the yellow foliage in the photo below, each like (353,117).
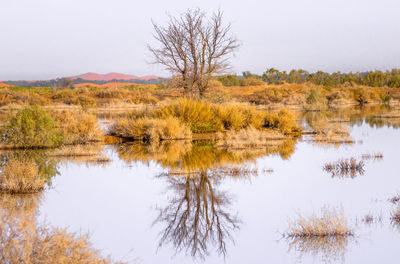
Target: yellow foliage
(78,127)
(151,129)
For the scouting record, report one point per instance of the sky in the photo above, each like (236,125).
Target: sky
(45,39)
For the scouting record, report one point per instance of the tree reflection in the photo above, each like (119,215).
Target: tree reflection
(197,216)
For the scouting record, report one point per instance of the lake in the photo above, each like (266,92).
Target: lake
(186,202)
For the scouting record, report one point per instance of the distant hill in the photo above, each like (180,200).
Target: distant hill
(94,78)
(90,76)
(5,84)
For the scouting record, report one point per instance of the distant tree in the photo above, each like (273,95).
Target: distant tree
(194,46)
(64,83)
(67,83)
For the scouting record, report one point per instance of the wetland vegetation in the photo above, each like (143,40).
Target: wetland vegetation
(198,166)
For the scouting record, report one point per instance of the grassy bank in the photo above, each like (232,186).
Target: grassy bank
(180,118)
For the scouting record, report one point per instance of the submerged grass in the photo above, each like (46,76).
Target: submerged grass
(345,167)
(330,223)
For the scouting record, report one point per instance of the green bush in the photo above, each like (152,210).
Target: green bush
(315,97)
(31,127)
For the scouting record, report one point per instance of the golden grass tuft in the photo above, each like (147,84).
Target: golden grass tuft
(198,115)
(20,177)
(330,222)
(150,129)
(78,127)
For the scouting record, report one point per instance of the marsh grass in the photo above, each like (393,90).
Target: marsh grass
(21,177)
(89,154)
(395,217)
(250,137)
(331,222)
(150,129)
(78,127)
(205,117)
(395,199)
(345,168)
(377,156)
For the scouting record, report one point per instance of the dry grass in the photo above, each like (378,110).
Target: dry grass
(90,154)
(250,137)
(328,133)
(330,223)
(345,168)
(21,177)
(370,219)
(395,217)
(78,127)
(200,116)
(395,199)
(377,156)
(150,129)
(205,117)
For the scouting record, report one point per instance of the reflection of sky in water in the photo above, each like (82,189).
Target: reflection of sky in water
(117,203)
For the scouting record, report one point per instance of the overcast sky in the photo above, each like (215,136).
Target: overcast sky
(42,39)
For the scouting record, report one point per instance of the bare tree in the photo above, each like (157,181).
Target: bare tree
(195,47)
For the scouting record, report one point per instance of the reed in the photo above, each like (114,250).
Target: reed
(330,222)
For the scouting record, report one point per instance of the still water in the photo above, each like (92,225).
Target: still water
(232,206)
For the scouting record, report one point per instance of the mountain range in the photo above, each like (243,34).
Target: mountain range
(90,76)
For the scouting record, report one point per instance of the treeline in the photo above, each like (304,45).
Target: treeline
(372,78)
(59,81)
(274,76)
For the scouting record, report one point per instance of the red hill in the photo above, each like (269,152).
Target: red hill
(90,76)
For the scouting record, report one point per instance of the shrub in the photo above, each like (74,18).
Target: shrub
(214,83)
(84,101)
(287,122)
(31,127)
(315,97)
(20,177)
(284,121)
(151,129)
(22,97)
(251,81)
(237,117)
(229,80)
(78,127)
